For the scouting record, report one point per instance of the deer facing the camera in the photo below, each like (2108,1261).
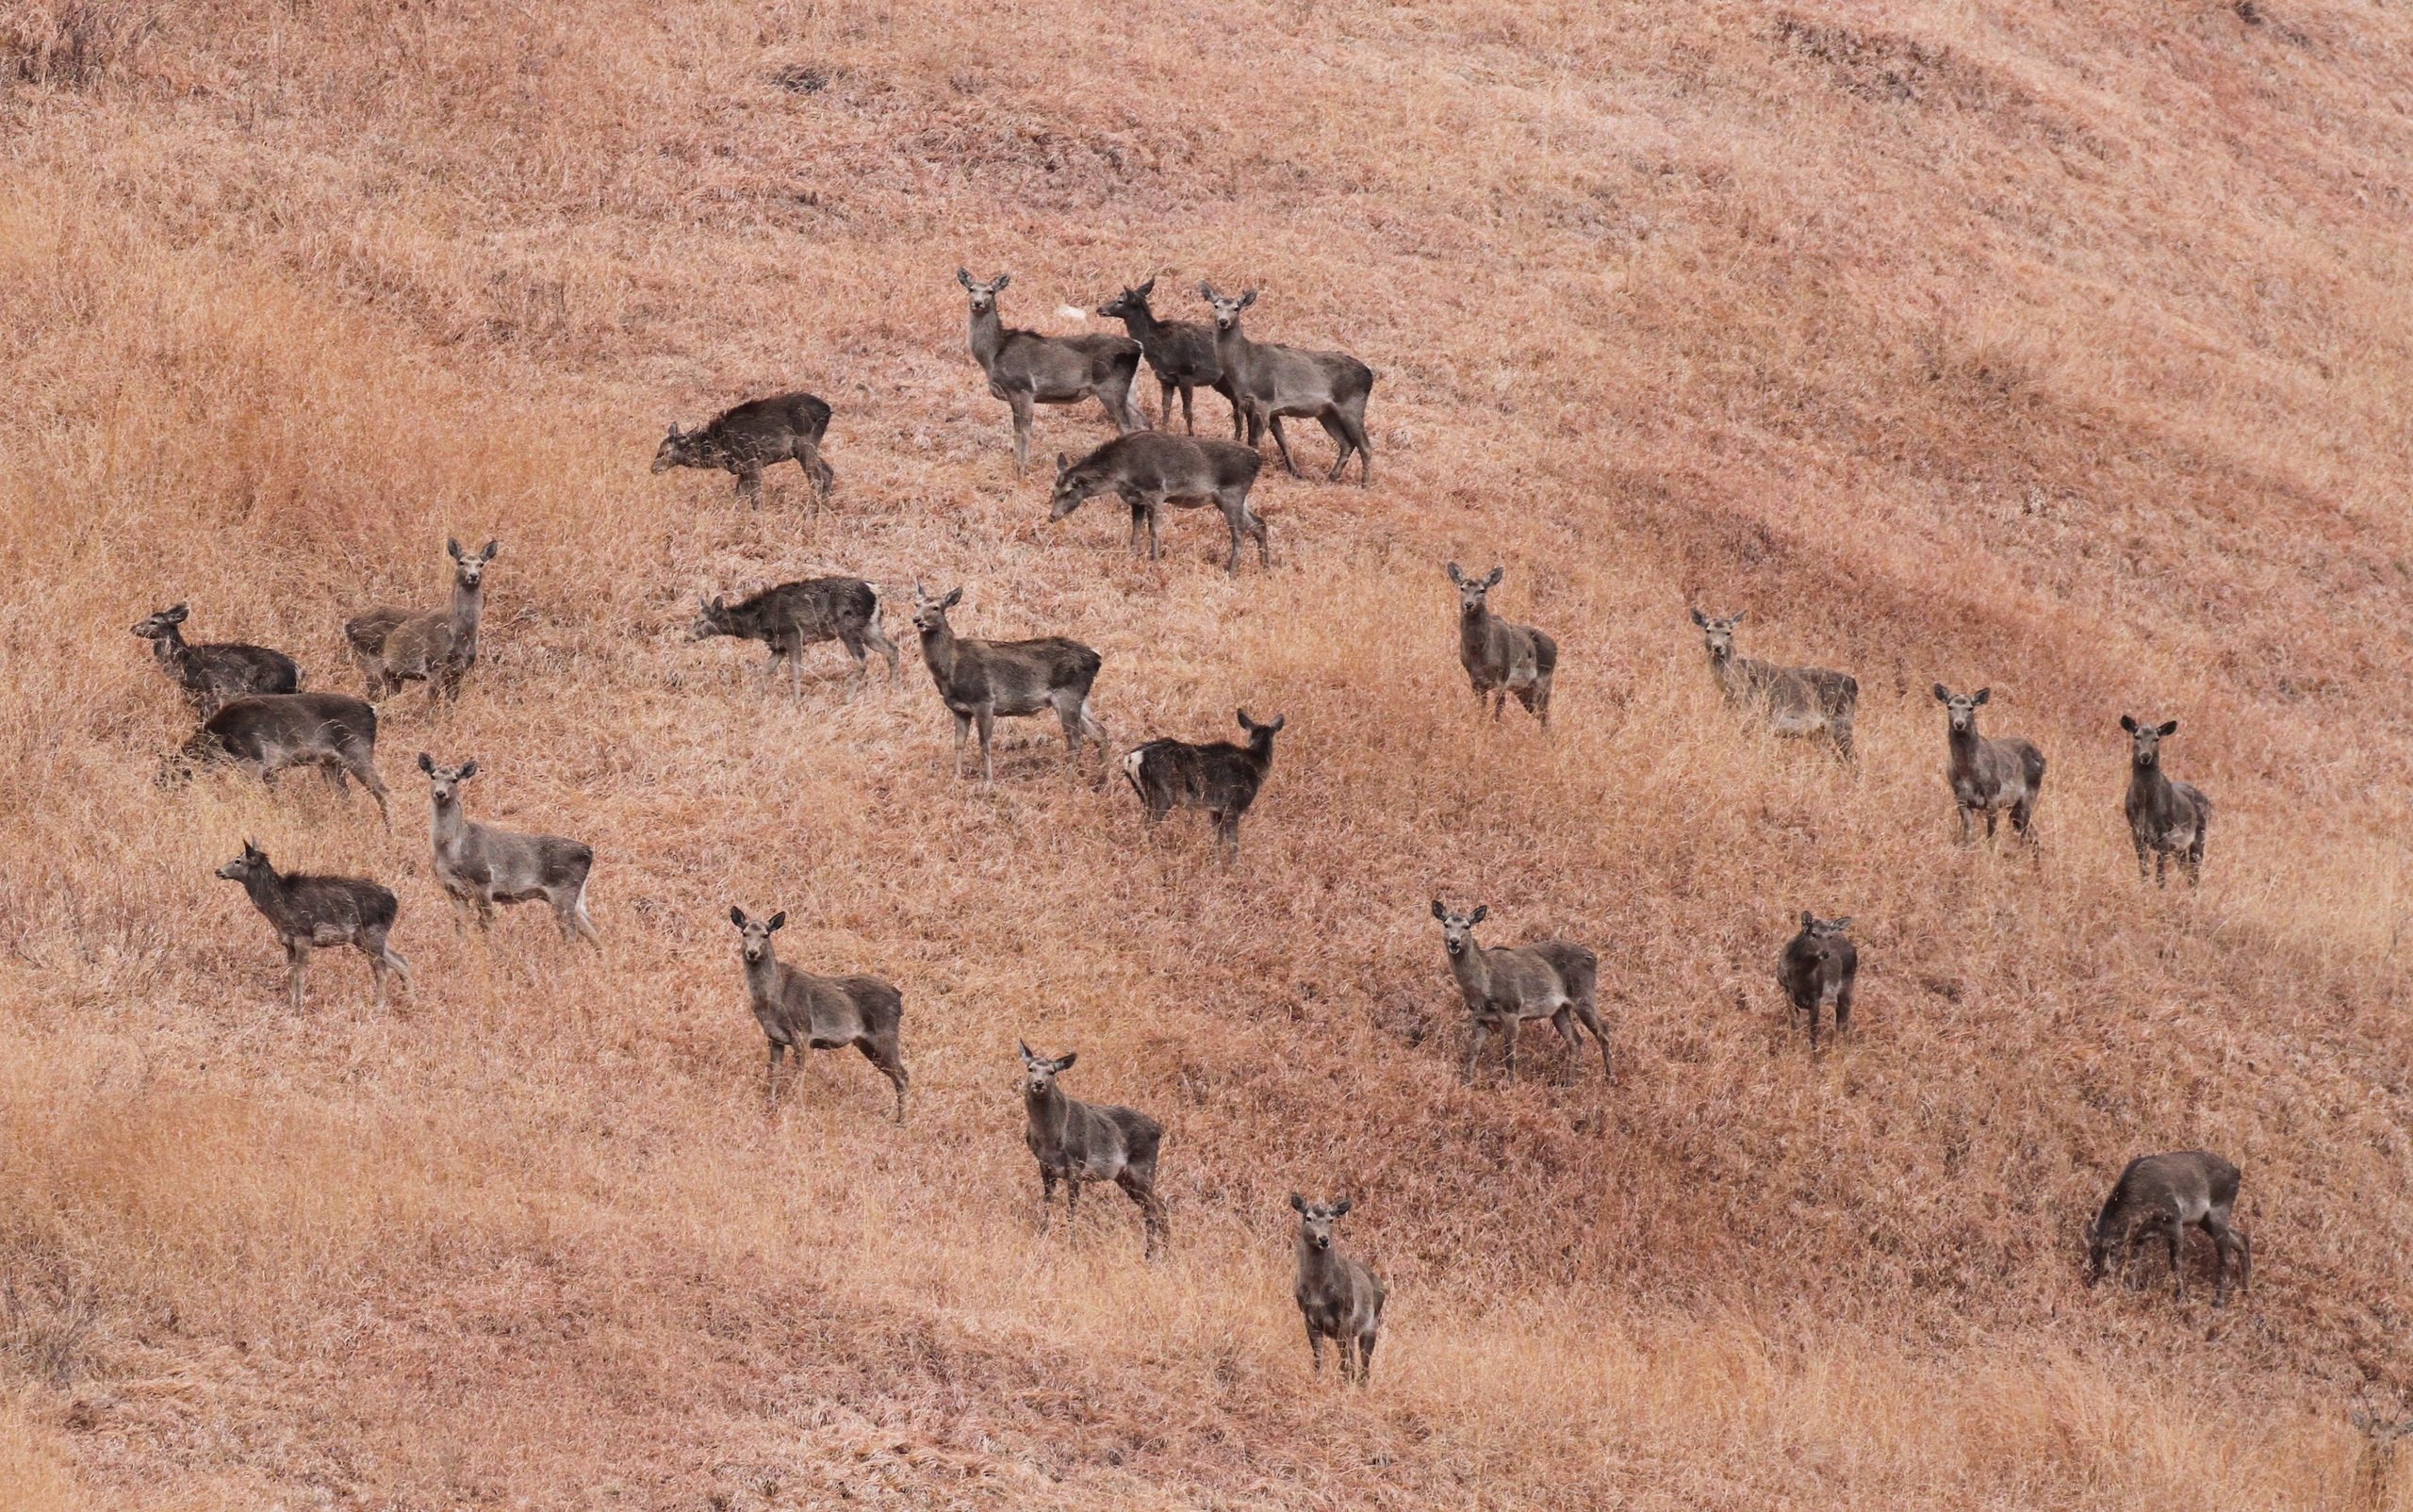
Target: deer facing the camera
(1551,980)
(1817,971)
(1502,658)
(480,866)
(801,1011)
(1337,1297)
(1076,1142)
(1989,776)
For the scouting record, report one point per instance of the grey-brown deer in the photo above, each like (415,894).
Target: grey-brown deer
(480,866)
(2167,1193)
(1554,979)
(801,1011)
(979,679)
(1818,971)
(1025,367)
(793,616)
(1989,776)
(1337,1297)
(1180,352)
(311,913)
(1150,469)
(1076,1142)
(1268,382)
(755,435)
(1500,657)
(2166,818)
(265,734)
(1806,702)
(1220,778)
(393,644)
(213,672)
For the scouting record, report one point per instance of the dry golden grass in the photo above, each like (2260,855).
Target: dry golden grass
(2063,350)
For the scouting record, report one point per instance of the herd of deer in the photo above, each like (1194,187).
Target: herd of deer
(255,715)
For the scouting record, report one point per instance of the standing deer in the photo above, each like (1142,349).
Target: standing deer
(1502,658)
(264,733)
(1990,776)
(1268,382)
(1150,469)
(1076,1142)
(480,865)
(1340,1298)
(755,434)
(1549,978)
(1793,700)
(1817,970)
(2165,819)
(1220,778)
(212,673)
(800,1012)
(393,646)
(316,912)
(2169,1193)
(1025,367)
(1180,353)
(979,679)
(793,616)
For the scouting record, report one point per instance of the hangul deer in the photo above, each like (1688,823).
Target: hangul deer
(1025,367)
(1818,970)
(214,672)
(979,679)
(265,734)
(1500,657)
(1180,352)
(1503,988)
(2169,1193)
(480,866)
(1268,382)
(755,435)
(1220,778)
(1150,469)
(2166,818)
(393,646)
(793,616)
(1076,1142)
(311,913)
(1808,702)
(801,1011)
(1988,776)
(1338,1298)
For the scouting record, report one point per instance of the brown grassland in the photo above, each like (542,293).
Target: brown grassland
(2062,348)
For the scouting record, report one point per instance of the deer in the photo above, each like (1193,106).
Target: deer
(1267,382)
(1338,1298)
(211,673)
(1076,1142)
(1025,367)
(1548,978)
(1149,469)
(801,1011)
(1180,353)
(1817,970)
(393,646)
(311,913)
(1805,701)
(265,734)
(2169,1193)
(755,435)
(793,616)
(1502,658)
(480,866)
(2166,818)
(1220,778)
(979,679)
(1990,776)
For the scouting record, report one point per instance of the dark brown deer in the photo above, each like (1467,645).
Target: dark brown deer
(393,646)
(480,865)
(1025,367)
(1268,382)
(755,435)
(214,672)
(1077,1141)
(1220,778)
(1150,469)
(1818,970)
(1338,1298)
(311,913)
(1807,702)
(2166,818)
(1180,353)
(800,1012)
(265,734)
(1549,978)
(979,679)
(1988,776)
(793,616)
(2169,1193)
(1502,658)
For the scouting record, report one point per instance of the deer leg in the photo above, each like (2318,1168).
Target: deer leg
(1138,520)
(1365,1356)
(1142,1189)
(297,958)
(376,955)
(1283,445)
(1591,1017)
(771,1075)
(2195,864)
(2161,869)
(877,640)
(1189,417)
(883,1054)
(1510,1031)
(1564,1022)
(2177,1232)
(853,643)
(1332,427)
(1992,818)
(818,470)
(365,768)
(987,715)
(1046,1197)
(1843,1010)
(749,486)
(1315,1346)
(1021,403)
(962,730)
(400,965)
(2144,866)
(1353,423)
(1474,1048)
(1164,405)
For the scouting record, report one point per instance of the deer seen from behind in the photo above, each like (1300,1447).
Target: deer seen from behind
(1025,367)
(979,679)
(311,913)
(793,616)
(1268,382)
(480,866)
(1988,776)
(1818,970)
(213,672)
(2166,818)
(1220,778)
(1502,658)
(1338,1298)
(1076,1142)
(265,734)
(393,646)
(800,1012)
(755,435)
(1150,469)
(1179,353)
(1554,979)
(1806,702)
(2167,1193)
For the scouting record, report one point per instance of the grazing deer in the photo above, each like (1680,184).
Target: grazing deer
(1180,353)
(758,434)
(1549,978)
(1794,701)
(393,646)
(979,679)
(1502,658)
(1220,778)
(1817,970)
(480,865)
(1025,367)
(264,733)
(2169,1193)
(1340,1298)
(1150,469)
(1268,382)
(1075,1142)
(793,616)
(213,673)
(316,912)
(2165,819)
(1990,776)
(800,1012)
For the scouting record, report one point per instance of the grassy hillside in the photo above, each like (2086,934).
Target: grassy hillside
(2065,350)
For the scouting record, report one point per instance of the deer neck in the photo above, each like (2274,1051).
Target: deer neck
(1317,1265)
(988,336)
(1143,325)
(1474,631)
(1230,345)
(267,892)
(1964,746)
(468,604)
(171,649)
(1472,970)
(938,650)
(447,826)
(1047,1115)
(2149,785)
(763,976)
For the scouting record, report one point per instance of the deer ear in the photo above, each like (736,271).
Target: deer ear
(1482,911)
(1207,291)
(1025,1050)
(1439,912)
(1002,280)
(737,915)
(1808,918)
(2170,727)
(1737,617)
(779,920)
(1064,464)
(1942,697)
(1298,1203)
(453,547)
(492,547)
(2128,723)
(176,615)
(1275,728)
(1145,290)
(963,276)
(1701,619)
(1493,581)
(1248,299)
(1457,577)
(1246,723)
(1064,1061)
(427,764)
(954,597)
(1340,1209)
(470,768)
(1982,695)
(1844,923)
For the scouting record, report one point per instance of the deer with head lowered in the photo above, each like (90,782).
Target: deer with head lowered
(1502,658)
(1220,778)
(393,646)
(1025,367)
(212,673)
(1180,353)
(1551,980)
(2166,818)
(979,679)
(1338,1298)
(793,616)
(480,865)
(1150,469)
(752,437)
(2170,1192)
(1076,1142)
(1990,776)
(311,913)
(1793,700)
(265,734)
(1817,970)
(1267,382)
(801,1011)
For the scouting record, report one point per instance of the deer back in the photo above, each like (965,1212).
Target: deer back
(286,728)
(1018,676)
(325,909)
